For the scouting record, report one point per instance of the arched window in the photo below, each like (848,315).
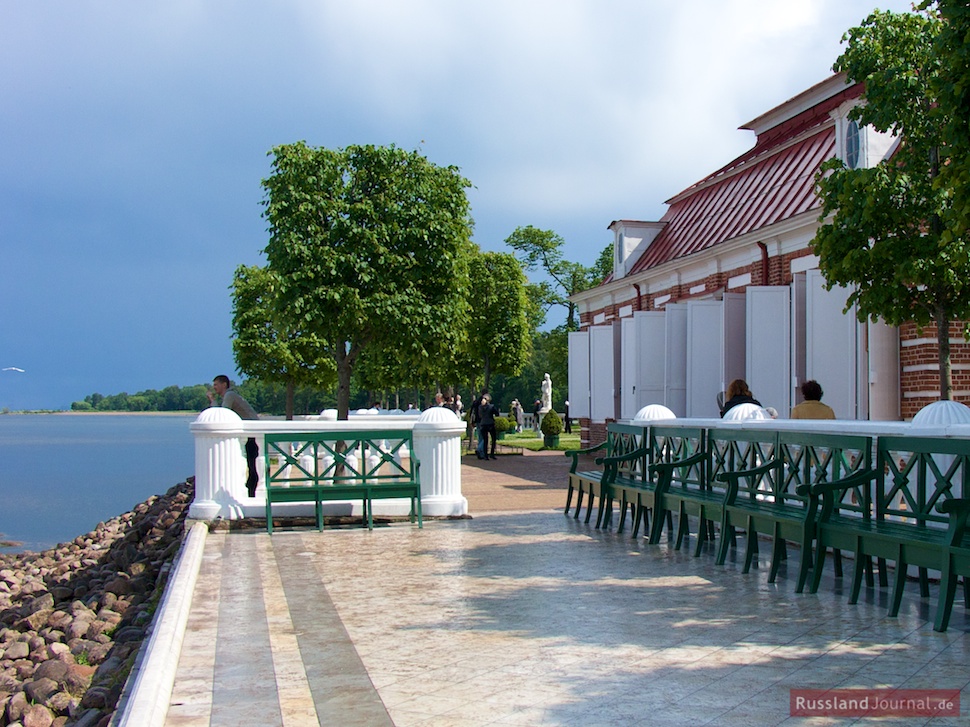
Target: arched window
(852,145)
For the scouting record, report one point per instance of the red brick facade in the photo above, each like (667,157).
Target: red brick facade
(918,357)
(779,273)
(920,370)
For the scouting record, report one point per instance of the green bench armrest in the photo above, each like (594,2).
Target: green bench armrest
(575,454)
(733,479)
(753,472)
(678,463)
(830,488)
(617,458)
(958,505)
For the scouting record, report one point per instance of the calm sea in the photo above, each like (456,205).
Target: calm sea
(62,474)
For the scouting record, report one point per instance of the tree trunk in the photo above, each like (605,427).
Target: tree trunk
(943,343)
(290,395)
(488,373)
(344,370)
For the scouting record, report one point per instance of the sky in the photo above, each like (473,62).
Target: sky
(134,138)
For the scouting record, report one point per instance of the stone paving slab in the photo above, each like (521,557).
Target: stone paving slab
(530,618)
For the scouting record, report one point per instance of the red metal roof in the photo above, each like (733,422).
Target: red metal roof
(760,188)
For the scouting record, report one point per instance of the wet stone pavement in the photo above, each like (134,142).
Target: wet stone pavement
(528,617)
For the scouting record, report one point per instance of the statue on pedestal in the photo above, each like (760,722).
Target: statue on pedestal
(546,394)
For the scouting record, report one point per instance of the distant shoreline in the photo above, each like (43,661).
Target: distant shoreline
(68,412)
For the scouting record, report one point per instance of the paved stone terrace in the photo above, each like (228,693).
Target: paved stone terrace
(521,616)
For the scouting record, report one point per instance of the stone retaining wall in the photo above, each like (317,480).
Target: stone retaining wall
(73,618)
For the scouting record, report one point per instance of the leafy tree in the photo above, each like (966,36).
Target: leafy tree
(267,345)
(500,334)
(951,90)
(368,244)
(602,268)
(542,250)
(887,237)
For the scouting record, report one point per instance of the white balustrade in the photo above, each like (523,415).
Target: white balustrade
(221,469)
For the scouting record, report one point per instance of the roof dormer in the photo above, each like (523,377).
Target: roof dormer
(631,238)
(859,147)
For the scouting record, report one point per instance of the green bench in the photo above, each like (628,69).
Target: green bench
(752,479)
(683,484)
(771,494)
(910,508)
(621,440)
(331,466)
(663,445)
(956,559)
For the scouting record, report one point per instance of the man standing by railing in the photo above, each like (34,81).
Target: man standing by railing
(222,388)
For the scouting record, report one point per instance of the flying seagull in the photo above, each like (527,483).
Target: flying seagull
(13,368)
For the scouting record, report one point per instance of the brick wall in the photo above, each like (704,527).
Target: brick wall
(920,370)
(779,273)
(592,433)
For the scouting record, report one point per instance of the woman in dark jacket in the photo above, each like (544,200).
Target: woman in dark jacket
(738,393)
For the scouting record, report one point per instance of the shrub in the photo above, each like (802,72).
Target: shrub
(502,424)
(551,424)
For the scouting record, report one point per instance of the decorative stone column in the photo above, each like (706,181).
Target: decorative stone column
(437,445)
(220,466)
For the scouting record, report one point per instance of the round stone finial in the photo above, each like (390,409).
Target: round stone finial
(746,412)
(942,413)
(438,414)
(218,415)
(654,412)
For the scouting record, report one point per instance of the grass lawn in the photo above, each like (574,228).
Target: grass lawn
(533,442)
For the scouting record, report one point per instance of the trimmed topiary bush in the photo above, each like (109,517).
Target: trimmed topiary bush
(551,424)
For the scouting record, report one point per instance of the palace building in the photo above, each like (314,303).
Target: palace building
(725,285)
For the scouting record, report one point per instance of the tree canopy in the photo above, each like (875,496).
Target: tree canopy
(885,232)
(265,343)
(951,90)
(542,250)
(370,248)
(500,331)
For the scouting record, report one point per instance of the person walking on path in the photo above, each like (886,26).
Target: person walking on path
(222,388)
(475,416)
(487,412)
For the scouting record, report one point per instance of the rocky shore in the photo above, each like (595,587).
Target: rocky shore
(73,618)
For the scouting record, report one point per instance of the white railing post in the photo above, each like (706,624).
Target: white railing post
(437,445)
(220,466)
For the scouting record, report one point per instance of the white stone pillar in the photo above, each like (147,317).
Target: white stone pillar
(220,465)
(437,445)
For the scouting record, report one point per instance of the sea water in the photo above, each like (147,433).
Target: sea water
(62,474)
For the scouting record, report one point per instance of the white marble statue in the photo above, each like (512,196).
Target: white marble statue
(546,393)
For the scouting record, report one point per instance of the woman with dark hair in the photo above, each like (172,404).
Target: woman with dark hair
(738,393)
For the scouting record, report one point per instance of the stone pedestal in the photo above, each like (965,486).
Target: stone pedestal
(220,465)
(437,445)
